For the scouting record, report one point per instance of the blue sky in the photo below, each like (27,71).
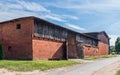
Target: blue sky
(78,15)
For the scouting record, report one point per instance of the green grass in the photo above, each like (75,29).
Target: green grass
(118,73)
(34,65)
(99,57)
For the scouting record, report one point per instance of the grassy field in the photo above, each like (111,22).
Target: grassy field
(99,57)
(34,65)
(118,73)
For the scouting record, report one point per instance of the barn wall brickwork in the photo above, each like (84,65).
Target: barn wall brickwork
(17,43)
(103,48)
(91,51)
(47,49)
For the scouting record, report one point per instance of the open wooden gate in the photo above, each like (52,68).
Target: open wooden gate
(80,49)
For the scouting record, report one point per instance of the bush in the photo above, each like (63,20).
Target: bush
(118,73)
(1,52)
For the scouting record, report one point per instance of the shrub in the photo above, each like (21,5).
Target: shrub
(118,72)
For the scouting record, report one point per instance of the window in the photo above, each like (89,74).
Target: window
(9,48)
(18,26)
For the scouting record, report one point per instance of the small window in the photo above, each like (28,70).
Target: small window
(9,48)
(18,26)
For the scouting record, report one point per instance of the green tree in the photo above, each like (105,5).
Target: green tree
(112,49)
(117,45)
(1,52)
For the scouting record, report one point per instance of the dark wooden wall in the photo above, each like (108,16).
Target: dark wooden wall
(103,38)
(95,35)
(86,40)
(47,30)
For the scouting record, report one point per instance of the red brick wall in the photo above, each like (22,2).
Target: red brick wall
(103,48)
(47,49)
(90,51)
(20,40)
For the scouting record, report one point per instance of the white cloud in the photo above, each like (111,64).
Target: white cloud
(113,39)
(55,18)
(5,15)
(96,5)
(74,17)
(17,8)
(75,26)
(60,18)
(12,6)
(22,5)
(71,17)
(32,6)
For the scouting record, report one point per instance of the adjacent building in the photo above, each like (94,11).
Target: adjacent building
(35,38)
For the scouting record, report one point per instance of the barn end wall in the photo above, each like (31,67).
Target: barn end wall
(17,43)
(103,48)
(47,49)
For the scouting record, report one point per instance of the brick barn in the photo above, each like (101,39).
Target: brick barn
(35,38)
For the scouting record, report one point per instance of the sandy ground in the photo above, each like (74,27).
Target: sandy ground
(108,70)
(7,72)
(83,69)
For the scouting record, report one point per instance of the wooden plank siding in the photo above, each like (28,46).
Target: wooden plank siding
(86,40)
(103,38)
(49,31)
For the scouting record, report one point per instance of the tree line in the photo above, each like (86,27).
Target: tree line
(116,48)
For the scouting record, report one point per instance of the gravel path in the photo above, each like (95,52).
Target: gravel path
(108,70)
(85,69)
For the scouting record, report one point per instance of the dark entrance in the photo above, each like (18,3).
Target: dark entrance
(1,52)
(64,51)
(71,46)
(80,49)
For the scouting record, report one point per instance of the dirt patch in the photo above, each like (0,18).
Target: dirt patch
(108,70)
(8,72)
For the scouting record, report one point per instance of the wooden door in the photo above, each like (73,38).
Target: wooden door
(80,49)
